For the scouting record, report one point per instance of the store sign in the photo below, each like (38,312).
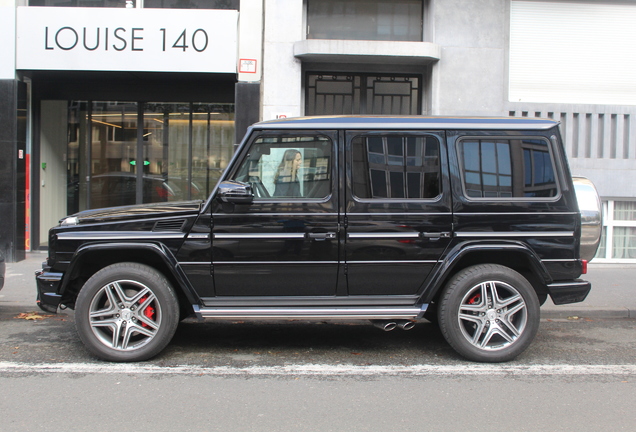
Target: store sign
(143,40)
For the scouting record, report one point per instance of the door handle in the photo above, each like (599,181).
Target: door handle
(321,236)
(435,235)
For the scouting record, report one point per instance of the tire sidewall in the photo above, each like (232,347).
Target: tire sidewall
(450,302)
(149,277)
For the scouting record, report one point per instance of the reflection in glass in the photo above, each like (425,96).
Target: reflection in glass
(399,20)
(288,166)
(184,149)
(507,168)
(113,150)
(381,170)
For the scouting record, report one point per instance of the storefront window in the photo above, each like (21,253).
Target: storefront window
(113,150)
(399,20)
(168,4)
(144,153)
(79,3)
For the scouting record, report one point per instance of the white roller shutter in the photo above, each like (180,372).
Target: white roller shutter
(581,52)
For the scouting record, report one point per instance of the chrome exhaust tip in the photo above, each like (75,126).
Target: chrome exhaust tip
(406,324)
(385,325)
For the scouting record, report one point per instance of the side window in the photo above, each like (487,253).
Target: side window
(395,166)
(515,168)
(288,166)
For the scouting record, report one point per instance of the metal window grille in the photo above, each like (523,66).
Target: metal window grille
(339,94)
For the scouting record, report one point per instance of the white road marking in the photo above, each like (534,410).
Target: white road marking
(318,370)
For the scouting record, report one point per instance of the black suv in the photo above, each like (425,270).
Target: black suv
(470,222)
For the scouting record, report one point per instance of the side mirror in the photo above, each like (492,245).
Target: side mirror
(235,192)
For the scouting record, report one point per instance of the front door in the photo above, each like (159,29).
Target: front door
(398,210)
(285,243)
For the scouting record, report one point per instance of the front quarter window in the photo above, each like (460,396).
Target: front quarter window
(288,167)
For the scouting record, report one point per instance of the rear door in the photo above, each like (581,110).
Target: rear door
(398,210)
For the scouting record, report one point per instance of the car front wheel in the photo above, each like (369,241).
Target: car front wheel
(126,312)
(489,313)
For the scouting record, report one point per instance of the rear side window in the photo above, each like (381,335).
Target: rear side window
(507,168)
(395,166)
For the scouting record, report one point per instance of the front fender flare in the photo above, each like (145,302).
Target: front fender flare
(157,249)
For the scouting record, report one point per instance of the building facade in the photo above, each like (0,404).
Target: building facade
(111,102)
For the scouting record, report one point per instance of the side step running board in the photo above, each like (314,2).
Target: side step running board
(373,313)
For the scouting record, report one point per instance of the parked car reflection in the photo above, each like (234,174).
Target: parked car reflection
(119,189)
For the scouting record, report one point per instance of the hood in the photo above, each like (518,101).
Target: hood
(133,212)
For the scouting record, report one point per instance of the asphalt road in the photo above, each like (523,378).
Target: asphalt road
(579,374)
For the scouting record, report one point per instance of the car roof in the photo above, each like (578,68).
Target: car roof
(408,122)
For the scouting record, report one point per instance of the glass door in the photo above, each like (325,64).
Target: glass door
(113,154)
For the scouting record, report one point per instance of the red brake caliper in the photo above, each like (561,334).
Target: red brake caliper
(149,312)
(474,299)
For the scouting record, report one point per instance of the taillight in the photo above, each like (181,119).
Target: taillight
(584,266)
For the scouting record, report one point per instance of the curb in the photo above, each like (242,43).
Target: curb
(610,313)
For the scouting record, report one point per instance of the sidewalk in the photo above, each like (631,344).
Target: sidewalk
(613,292)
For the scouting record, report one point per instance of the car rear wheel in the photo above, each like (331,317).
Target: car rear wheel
(489,313)
(126,312)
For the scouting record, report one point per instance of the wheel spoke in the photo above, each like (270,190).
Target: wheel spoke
(117,294)
(501,331)
(508,301)
(470,317)
(106,312)
(144,292)
(150,332)
(479,330)
(486,338)
(147,321)
(490,293)
(511,329)
(105,322)
(116,335)
(516,308)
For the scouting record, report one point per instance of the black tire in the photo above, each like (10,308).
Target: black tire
(496,328)
(126,312)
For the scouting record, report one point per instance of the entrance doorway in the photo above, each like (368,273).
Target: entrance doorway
(97,154)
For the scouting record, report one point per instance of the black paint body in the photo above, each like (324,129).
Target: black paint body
(340,250)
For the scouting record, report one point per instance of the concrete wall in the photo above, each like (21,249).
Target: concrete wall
(470,78)
(282,72)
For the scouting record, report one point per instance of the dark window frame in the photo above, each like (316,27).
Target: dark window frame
(527,144)
(362,98)
(243,159)
(389,168)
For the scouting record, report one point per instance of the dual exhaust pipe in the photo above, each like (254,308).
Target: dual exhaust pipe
(388,325)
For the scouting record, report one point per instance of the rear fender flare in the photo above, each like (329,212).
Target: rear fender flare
(438,278)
